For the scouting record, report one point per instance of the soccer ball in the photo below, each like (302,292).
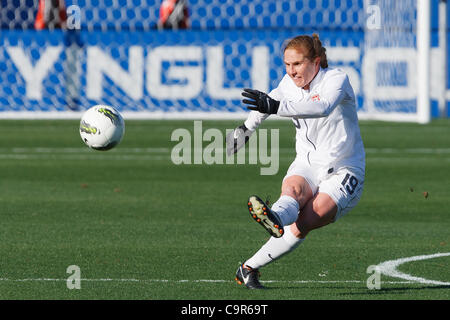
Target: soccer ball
(102,127)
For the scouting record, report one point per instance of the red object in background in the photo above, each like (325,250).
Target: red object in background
(51,15)
(173,14)
(166,9)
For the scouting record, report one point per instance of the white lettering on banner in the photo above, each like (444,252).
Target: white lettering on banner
(353,77)
(260,68)
(192,74)
(99,63)
(215,72)
(34,76)
(214,76)
(344,54)
(347,55)
(372,90)
(177,81)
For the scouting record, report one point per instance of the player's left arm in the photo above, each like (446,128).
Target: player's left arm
(317,104)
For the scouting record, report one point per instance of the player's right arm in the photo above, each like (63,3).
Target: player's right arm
(318,104)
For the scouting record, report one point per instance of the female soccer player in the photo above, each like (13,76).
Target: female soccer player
(325,181)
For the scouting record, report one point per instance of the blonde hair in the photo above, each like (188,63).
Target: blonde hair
(312,47)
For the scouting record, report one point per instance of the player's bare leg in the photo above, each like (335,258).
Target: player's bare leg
(297,188)
(318,211)
(295,191)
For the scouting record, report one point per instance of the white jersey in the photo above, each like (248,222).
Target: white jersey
(327,130)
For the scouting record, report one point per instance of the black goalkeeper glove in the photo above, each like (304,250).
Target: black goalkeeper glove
(261,101)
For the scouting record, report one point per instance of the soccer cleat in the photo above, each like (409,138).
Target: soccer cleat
(249,277)
(262,214)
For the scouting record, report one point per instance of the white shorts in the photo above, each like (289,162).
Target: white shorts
(344,186)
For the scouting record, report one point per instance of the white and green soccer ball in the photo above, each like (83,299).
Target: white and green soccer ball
(102,127)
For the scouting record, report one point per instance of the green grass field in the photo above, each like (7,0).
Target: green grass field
(140,227)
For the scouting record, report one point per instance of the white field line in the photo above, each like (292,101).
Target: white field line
(163,154)
(408,150)
(82,150)
(82,157)
(118,157)
(199,281)
(389,268)
(168,150)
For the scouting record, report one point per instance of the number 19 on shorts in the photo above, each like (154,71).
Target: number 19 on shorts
(350,183)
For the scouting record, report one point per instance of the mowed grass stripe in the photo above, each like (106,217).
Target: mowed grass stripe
(168,150)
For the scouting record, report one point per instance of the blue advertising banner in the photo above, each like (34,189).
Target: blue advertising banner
(186,73)
(199,71)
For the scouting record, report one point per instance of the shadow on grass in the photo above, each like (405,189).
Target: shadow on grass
(361,290)
(392,290)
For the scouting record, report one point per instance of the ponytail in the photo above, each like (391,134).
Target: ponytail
(320,51)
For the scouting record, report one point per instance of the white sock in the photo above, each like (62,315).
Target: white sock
(287,209)
(274,249)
